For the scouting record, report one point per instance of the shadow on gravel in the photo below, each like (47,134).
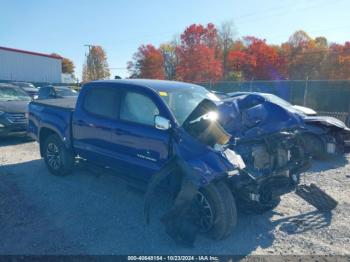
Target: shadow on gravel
(97,213)
(304,222)
(331,163)
(14,140)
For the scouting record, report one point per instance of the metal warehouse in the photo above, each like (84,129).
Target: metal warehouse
(21,65)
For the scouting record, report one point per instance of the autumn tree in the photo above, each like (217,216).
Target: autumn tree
(148,62)
(268,64)
(67,65)
(240,65)
(305,56)
(168,51)
(299,38)
(336,65)
(95,66)
(226,39)
(198,55)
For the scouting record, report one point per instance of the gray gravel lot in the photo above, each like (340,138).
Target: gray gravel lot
(98,213)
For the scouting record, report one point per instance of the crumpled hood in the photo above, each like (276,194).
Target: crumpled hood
(326,121)
(305,110)
(14,106)
(248,116)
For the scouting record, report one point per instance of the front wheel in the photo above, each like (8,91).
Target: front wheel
(58,158)
(216,208)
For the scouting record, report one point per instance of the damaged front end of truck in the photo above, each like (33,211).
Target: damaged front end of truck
(253,173)
(268,139)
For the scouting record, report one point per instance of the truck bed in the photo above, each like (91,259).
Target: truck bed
(62,103)
(52,114)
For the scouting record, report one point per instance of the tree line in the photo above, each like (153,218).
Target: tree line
(205,53)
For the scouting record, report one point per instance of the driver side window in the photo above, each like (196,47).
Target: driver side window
(138,108)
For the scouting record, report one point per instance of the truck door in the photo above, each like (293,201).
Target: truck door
(142,147)
(92,124)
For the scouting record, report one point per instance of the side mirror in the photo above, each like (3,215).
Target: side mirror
(161,123)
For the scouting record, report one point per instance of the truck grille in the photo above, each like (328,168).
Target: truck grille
(16,118)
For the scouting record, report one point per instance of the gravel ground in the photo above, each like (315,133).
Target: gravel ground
(98,213)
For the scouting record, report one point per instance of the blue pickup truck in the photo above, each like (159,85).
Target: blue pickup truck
(160,132)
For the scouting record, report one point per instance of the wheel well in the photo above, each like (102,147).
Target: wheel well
(44,134)
(313,136)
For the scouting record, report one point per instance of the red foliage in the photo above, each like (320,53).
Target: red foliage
(239,61)
(269,65)
(148,62)
(201,55)
(198,55)
(337,64)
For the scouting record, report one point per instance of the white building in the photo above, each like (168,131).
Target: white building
(20,65)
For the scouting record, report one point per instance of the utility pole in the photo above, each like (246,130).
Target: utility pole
(86,56)
(89,46)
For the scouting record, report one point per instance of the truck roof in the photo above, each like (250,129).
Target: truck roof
(157,85)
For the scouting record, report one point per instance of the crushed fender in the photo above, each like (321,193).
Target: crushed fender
(168,168)
(316,197)
(178,221)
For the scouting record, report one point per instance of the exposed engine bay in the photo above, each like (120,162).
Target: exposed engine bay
(272,154)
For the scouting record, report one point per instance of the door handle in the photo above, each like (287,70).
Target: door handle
(80,123)
(84,123)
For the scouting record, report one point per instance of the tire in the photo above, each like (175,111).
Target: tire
(223,207)
(59,160)
(314,146)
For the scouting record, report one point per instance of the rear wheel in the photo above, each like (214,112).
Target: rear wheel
(58,158)
(216,210)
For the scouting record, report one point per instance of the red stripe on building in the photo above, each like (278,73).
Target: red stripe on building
(29,52)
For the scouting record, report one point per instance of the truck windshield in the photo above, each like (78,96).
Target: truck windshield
(183,101)
(9,93)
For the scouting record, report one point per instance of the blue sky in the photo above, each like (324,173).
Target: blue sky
(120,26)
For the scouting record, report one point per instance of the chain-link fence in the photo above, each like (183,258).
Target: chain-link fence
(327,97)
